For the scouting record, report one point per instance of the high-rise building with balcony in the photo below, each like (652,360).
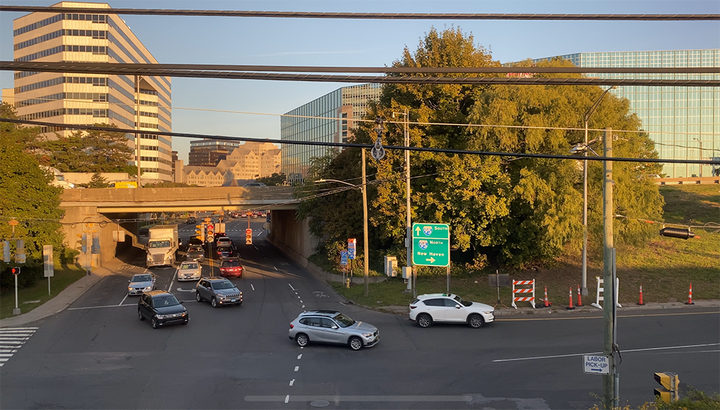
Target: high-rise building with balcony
(684,122)
(325,119)
(137,103)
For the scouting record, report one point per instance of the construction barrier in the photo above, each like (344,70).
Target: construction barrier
(579,297)
(690,302)
(523,291)
(641,299)
(570,304)
(600,290)
(547,302)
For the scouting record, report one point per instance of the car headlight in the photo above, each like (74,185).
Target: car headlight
(488,312)
(161,316)
(367,335)
(148,288)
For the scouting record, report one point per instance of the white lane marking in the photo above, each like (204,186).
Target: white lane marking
(288,284)
(123,301)
(303,306)
(172,280)
(595,353)
(292,382)
(253,287)
(256,248)
(467,398)
(276,269)
(287,398)
(299,356)
(100,307)
(297,368)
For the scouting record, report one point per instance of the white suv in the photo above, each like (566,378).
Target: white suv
(441,307)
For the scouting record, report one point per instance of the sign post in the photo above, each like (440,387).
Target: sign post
(344,262)
(352,247)
(48,267)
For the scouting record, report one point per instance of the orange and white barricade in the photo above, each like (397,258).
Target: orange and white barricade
(519,292)
(601,290)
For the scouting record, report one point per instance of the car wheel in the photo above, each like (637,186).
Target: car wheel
(140,315)
(355,343)
(154,323)
(213,302)
(476,321)
(198,297)
(424,320)
(301,339)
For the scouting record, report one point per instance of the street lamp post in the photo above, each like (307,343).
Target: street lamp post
(586,119)
(408,226)
(363,188)
(701,154)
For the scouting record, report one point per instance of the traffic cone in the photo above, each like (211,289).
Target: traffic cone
(690,302)
(579,297)
(547,303)
(571,307)
(641,300)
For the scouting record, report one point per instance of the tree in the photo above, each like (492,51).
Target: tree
(86,151)
(274,180)
(507,210)
(97,181)
(26,196)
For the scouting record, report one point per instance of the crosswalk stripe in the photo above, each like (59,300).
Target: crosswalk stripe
(11,339)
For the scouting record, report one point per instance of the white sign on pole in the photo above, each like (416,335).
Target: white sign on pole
(48,267)
(596,364)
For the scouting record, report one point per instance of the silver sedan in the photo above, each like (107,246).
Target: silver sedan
(140,283)
(189,270)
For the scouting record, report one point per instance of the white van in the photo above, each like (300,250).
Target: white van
(59,178)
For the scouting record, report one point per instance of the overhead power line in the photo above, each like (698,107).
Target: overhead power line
(135,68)
(368,16)
(355,145)
(158,72)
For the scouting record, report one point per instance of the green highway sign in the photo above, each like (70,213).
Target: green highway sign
(431,244)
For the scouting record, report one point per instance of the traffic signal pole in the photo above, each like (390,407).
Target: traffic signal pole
(610,381)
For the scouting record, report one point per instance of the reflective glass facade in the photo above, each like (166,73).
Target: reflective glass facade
(684,122)
(326,119)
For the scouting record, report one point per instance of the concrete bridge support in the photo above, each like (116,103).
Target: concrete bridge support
(291,236)
(87,219)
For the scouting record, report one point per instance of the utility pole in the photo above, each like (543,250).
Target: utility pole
(137,127)
(610,381)
(366,245)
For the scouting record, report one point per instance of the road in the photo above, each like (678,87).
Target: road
(98,355)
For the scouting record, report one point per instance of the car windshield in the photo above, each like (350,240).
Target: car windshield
(223,285)
(230,264)
(343,320)
(196,249)
(141,278)
(189,266)
(165,300)
(160,244)
(462,302)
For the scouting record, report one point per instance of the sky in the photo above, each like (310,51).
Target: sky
(255,106)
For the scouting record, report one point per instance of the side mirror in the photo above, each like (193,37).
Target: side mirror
(334,327)
(182,302)
(457,306)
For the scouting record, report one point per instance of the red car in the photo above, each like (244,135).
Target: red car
(231,267)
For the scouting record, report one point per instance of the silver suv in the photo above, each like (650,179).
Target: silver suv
(329,326)
(219,291)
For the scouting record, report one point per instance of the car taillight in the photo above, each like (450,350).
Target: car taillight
(291,326)
(412,307)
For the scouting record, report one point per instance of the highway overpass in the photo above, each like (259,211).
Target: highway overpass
(113,214)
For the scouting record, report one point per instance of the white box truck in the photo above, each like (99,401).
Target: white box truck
(162,245)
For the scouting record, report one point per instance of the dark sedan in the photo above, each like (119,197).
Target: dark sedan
(225,251)
(162,308)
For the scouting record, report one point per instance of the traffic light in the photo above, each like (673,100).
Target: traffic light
(84,243)
(677,233)
(20,256)
(210,233)
(95,247)
(248,236)
(670,384)
(15,271)
(6,251)
(200,232)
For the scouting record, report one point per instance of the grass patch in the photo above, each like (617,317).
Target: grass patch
(65,275)
(664,267)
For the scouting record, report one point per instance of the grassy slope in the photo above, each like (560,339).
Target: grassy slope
(665,267)
(30,298)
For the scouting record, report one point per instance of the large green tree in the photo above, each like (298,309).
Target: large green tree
(86,151)
(27,197)
(511,210)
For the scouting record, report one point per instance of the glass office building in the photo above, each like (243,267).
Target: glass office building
(325,119)
(684,122)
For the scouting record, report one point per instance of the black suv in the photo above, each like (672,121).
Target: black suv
(162,308)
